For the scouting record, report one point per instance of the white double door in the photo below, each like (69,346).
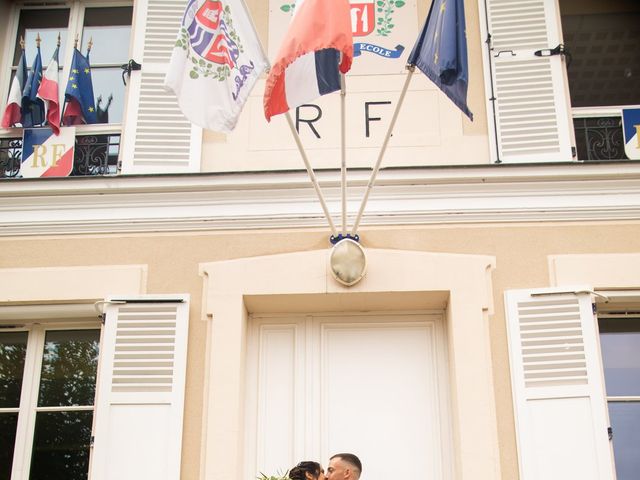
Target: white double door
(373,385)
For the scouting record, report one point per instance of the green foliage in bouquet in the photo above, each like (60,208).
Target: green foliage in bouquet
(279,476)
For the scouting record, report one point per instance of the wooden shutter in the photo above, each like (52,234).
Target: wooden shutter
(140,396)
(532,106)
(157,138)
(557,380)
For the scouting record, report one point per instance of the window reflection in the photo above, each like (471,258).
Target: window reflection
(620,344)
(61,446)
(625,422)
(69,365)
(8,425)
(48,23)
(13,350)
(109,29)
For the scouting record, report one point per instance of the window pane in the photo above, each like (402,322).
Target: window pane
(110,29)
(603,40)
(69,363)
(13,349)
(61,446)
(8,424)
(48,23)
(625,422)
(107,83)
(620,344)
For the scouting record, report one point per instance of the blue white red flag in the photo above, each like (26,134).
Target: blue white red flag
(441,51)
(12,112)
(631,132)
(216,62)
(32,106)
(308,63)
(80,104)
(45,154)
(48,92)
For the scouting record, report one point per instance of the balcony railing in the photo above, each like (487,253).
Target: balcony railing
(599,138)
(94,155)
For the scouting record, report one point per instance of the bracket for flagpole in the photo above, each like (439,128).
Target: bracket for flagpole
(347,261)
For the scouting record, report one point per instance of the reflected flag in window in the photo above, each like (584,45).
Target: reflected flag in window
(80,105)
(12,112)
(32,106)
(441,51)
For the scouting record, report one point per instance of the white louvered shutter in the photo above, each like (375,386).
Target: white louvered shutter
(559,397)
(140,395)
(532,106)
(157,138)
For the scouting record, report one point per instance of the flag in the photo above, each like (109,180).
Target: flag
(441,51)
(32,106)
(79,102)
(48,92)
(12,112)
(215,63)
(308,64)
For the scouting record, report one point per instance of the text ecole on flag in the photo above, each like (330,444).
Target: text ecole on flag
(218,58)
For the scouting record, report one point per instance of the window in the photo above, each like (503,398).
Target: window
(620,345)
(47,389)
(108,28)
(603,70)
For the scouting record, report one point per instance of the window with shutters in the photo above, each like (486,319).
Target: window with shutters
(47,390)
(620,346)
(106,30)
(603,68)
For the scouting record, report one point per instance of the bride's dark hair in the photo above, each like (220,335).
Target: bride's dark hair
(298,472)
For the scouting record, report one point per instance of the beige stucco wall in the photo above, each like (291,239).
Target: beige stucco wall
(522,257)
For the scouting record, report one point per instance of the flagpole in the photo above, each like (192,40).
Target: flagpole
(312,176)
(343,154)
(383,149)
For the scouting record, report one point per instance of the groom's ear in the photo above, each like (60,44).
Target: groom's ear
(308,476)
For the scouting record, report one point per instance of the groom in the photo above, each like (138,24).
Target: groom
(344,466)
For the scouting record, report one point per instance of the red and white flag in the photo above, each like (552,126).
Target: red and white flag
(12,113)
(48,92)
(308,63)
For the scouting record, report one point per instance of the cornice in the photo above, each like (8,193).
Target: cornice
(279,200)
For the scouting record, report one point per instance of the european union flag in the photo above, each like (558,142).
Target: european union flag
(441,51)
(32,106)
(80,104)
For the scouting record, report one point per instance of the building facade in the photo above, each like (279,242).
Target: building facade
(169,311)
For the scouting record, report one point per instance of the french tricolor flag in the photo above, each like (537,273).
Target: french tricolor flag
(308,64)
(48,92)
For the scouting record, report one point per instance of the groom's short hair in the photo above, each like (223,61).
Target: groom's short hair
(351,459)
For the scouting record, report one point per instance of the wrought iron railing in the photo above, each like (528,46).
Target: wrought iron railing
(94,155)
(599,138)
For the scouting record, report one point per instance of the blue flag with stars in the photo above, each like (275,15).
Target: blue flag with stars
(32,106)
(80,104)
(441,51)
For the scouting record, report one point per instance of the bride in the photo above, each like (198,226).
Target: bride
(307,471)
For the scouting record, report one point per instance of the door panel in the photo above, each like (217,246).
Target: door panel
(372,385)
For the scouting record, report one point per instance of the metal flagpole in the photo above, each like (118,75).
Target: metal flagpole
(312,176)
(343,154)
(294,132)
(383,149)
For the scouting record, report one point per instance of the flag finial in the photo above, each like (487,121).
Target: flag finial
(58,39)
(75,42)
(38,40)
(21,42)
(89,45)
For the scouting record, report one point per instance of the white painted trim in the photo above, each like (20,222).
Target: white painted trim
(196,202)
(234,289)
